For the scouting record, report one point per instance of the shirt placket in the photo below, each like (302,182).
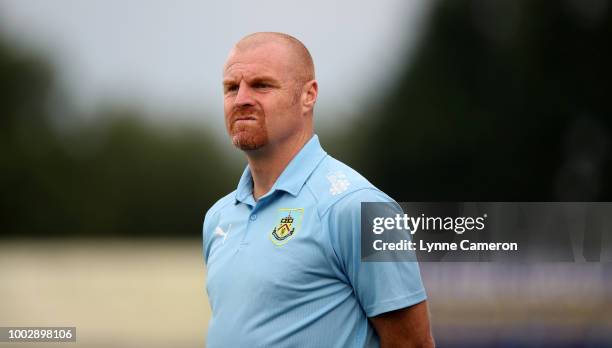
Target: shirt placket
(254,219)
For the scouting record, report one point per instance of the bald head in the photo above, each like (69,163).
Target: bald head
(300,59)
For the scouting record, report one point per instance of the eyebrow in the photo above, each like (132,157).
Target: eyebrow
(257,79)
(263,78)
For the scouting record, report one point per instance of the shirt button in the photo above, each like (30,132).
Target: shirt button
(253,217)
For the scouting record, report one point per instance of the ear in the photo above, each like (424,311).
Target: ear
(310,92)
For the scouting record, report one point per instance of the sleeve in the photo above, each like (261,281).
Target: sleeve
(207,235)
(379,286)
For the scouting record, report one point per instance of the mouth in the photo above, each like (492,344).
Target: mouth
(245,118)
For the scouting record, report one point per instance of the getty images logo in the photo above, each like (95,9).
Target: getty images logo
(412,224)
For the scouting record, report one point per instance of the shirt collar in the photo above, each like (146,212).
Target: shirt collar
(292,178)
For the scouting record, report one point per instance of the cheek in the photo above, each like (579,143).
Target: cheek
(227,109)
(227,105)
(282,123)
(279,107)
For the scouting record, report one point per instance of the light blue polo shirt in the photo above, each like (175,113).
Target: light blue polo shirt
(285,271)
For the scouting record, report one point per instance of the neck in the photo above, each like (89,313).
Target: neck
(268,163)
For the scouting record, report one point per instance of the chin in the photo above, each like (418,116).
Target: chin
(249,142)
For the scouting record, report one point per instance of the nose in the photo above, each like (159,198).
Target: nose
(244,96)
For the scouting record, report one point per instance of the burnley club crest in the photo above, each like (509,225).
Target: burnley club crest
(288,223)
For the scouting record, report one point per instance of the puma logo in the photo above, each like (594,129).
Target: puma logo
(219,232)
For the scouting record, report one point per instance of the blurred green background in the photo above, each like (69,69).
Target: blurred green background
(505,100)
(494,101)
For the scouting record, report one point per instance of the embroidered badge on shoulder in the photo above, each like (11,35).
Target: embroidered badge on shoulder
(338,182)
(288,224)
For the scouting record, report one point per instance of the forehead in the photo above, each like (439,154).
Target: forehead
(268,59)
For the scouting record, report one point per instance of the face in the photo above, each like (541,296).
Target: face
(260,97)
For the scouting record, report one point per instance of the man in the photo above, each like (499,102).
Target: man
(283,250)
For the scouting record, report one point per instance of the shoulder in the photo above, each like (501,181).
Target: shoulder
(218,206)
(337,186)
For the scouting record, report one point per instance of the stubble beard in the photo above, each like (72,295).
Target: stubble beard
(249,136)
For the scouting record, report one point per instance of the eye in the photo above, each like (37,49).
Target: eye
(261,85)
(231,88)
